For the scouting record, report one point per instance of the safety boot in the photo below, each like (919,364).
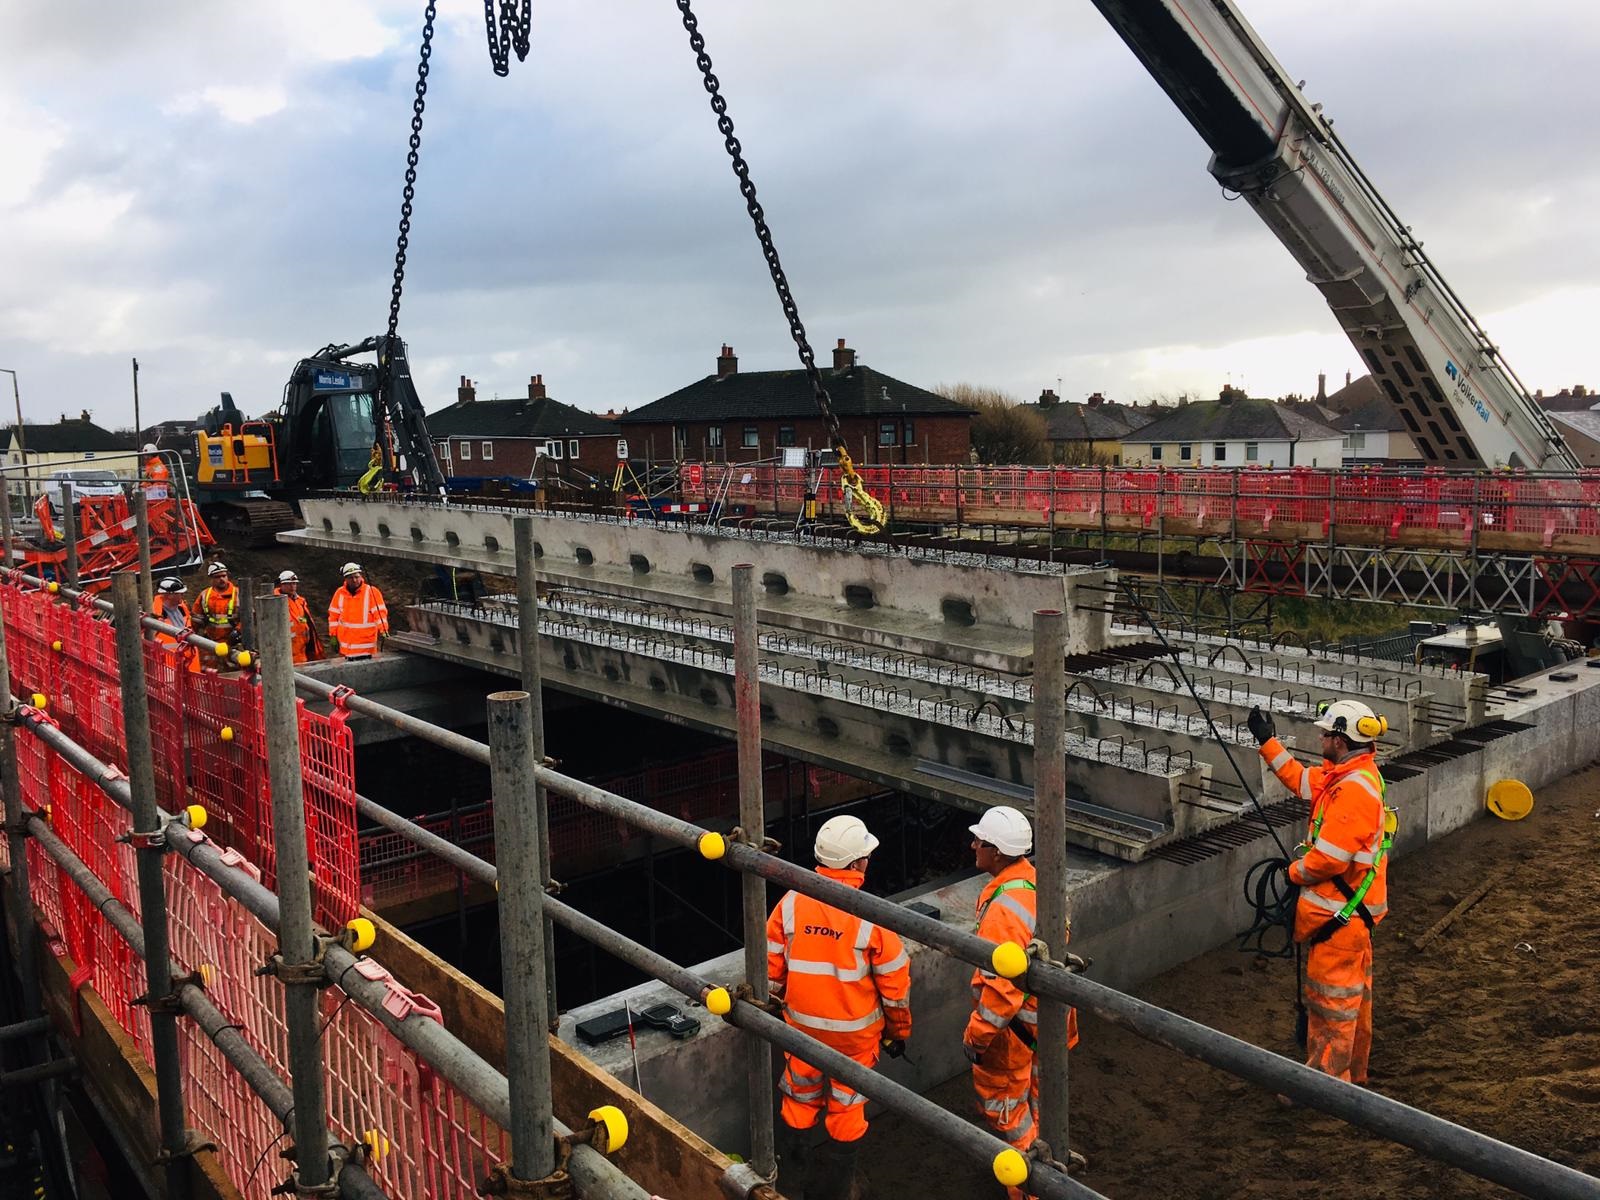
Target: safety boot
(831,1171)
(795,1148)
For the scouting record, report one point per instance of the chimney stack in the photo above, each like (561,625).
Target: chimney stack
(727,362)
(466,391)
(1347,379)
(844,358)
(84,416)
(1322,387)
(1096,400)
(536,387)
(1048,398)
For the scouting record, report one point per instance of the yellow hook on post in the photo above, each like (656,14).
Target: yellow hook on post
(863,510)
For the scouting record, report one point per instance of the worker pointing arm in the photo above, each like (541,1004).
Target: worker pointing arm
(1342,872)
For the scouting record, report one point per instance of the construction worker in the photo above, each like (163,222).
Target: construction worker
(156,475)
(216,608)
(1342,871)
(847,983)
(169,606)
(304,643)
(357,615)
(1002,1032)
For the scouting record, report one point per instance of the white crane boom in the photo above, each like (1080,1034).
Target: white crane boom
(1458,397)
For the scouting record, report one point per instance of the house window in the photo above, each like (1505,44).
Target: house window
(908,433)
(751,438)
(1356,441)
(1185,452)
(886,433)
(1252,451)
(785,435)
(1155,453)
(1219,452)
(444,449)
(714,437)
(488,452)
(553,448)
(466,451)
(572,448)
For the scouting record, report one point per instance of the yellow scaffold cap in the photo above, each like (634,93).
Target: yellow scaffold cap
(1010,1168)
(1510,799)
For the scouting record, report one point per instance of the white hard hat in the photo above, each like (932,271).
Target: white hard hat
(288,577)
(149,448)
(1351,719)
(217,568)
(349,569)
(172,586)
(842,840)
(1005,829)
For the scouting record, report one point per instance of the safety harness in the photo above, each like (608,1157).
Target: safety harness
(1018,1026)
(1354,898)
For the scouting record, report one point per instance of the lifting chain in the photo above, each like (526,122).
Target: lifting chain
(409,193)
(510,32)
(864,511)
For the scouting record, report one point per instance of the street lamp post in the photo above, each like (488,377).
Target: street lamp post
(22,449)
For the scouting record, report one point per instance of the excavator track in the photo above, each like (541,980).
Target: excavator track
(251,522)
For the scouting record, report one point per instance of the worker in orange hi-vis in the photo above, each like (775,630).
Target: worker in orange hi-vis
(157,477)
(357,615)
(304,643)
(216,608)
(169,606)
(1342,872)
(1003,1031)
(847,983)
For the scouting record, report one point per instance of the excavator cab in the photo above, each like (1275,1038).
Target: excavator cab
(329,425)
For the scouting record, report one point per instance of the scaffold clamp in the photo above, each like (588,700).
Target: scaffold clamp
(555,1186)
(1076,964)
(193,1143)
(764,844)
(290,974)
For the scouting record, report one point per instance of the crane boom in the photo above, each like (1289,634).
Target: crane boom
(1459,399)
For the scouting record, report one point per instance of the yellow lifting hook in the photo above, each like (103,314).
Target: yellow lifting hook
(863,510)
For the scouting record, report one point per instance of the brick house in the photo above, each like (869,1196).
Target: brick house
(737,417)
(486,438)
(1090,433)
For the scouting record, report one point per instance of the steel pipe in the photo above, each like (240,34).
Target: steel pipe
(252,1068)
(297,948)
(69,531)
(522,926)
(753,892)
(141,532)
(533,684)
(152,889)
(1050,860)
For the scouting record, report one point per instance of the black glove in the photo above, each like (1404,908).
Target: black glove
(894,1047)
(1261,727)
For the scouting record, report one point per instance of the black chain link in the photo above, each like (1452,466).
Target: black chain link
(758,217)
(510,33)
(410,192)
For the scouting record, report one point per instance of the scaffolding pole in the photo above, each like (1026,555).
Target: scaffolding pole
(522,942)
(258,1075)
(150,844)
(297,949)
(69,531)
(753,821)
(1050,859)
(141,531)
(533,684)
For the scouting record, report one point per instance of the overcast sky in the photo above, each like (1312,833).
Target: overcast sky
(988,193)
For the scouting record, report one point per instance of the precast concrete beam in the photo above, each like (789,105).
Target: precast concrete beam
(1125,798)
(936,603)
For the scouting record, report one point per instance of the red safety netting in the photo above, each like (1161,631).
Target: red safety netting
(228,763)
(328,771)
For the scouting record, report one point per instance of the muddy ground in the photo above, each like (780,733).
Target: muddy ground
(1495,1025)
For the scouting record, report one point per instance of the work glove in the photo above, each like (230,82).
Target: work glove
(1261,727)
(894,1047)
(973,1053)
(333,644)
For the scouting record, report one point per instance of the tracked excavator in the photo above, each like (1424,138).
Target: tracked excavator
(342,424)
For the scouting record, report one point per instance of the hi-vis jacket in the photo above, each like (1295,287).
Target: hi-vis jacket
(1346,836)
(1008,911)
(218,609)
(843,980)
(302,637)
(357,619)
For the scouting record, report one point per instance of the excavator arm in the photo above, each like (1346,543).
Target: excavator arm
(1460,400)
(399,403)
